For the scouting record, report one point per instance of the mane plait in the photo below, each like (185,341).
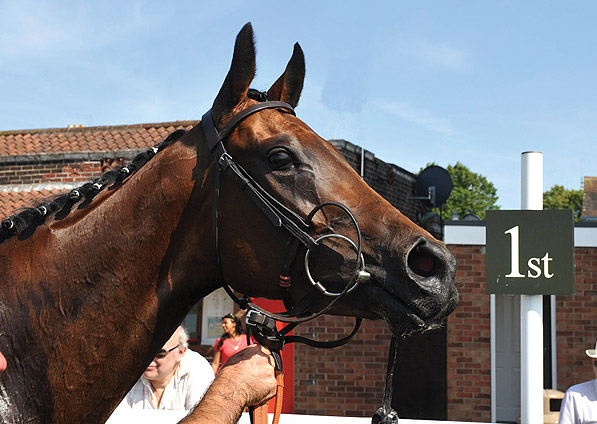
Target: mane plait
(28,219)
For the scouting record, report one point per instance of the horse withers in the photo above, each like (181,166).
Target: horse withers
(94,282)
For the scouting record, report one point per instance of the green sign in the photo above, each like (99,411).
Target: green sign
(530,252)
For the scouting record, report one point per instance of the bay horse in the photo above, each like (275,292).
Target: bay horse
(94,282)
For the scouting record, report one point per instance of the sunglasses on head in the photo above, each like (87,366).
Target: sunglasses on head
(163,353)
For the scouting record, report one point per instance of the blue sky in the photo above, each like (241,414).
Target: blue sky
(477,82)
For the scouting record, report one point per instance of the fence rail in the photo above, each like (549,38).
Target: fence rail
(172,417)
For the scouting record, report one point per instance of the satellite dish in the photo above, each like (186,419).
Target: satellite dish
(434,184)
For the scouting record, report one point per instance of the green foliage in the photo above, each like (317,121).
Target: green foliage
(559,197)
(471,193)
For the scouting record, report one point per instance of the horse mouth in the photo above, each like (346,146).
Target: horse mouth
(421,315)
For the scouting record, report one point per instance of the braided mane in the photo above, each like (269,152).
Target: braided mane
(60,206)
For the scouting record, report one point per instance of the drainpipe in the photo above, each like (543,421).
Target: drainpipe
(362,162)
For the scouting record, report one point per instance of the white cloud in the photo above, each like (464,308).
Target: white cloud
(432,55)
(49,29)
(37,28)
(442,55)
(414,115)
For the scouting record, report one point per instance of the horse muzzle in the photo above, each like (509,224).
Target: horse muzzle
(415,292)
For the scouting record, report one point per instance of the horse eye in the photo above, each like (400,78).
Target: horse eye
(280,159)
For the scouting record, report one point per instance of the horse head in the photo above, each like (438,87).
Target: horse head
(411,274)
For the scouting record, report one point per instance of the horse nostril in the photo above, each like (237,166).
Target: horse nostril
(421,262)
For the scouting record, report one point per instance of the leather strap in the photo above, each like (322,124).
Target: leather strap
(281,217)
(386,414)
(214,136)
(259,413)
(278,214)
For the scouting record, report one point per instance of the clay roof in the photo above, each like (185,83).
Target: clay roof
(22,144)
(86,139)
(12,200)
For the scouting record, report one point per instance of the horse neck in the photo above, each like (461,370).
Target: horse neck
(111,282)
(142,233)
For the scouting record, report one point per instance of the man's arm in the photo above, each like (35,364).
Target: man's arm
(247,379)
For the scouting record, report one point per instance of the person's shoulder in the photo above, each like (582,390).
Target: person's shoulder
(191,355)
(581,387)
(134,398)
(193,361)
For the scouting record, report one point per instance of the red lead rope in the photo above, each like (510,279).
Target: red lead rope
(259,412)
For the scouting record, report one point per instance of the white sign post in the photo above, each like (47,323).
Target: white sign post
(531,306)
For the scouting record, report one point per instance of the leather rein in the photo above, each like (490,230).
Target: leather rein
(260,322)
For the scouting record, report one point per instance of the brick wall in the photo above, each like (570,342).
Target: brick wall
(576,322)
(345,381)
(393,183)
(54,171)
(394,188)
(469,362)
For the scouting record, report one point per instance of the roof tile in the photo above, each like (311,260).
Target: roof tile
(11,201)
(72,140)
(86,139)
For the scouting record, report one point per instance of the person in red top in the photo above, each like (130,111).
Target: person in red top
(2,362)
(232,341)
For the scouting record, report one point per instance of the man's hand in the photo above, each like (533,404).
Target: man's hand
(247,379)
(252,370)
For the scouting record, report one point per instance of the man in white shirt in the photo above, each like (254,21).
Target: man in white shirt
(177,378)
(579,405)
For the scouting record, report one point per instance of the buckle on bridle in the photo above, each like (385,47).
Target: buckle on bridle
(265,332)
(224,160)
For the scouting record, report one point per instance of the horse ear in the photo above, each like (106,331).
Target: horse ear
(240,75)
(289,86)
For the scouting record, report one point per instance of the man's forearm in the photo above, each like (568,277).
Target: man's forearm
(223,403)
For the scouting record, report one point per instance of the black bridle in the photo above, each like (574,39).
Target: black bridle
(263,322)
(280,216)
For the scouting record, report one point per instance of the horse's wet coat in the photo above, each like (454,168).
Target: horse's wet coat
(92,287)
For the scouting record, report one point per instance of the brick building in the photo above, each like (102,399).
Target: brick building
(483,332)
(41,163)
(49,161)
